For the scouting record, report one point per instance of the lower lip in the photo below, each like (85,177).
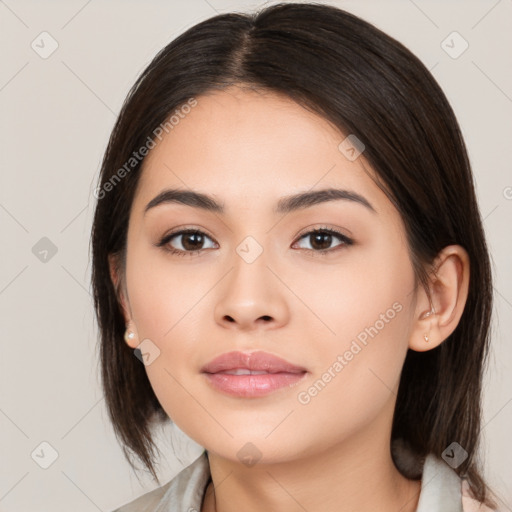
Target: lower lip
(252,385)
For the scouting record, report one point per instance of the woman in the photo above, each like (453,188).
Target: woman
(288,240)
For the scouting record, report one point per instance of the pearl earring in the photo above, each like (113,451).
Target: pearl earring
(129,335)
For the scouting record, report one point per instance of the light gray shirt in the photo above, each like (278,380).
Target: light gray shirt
(441,489)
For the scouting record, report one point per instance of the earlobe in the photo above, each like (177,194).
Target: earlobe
(130,338)
(425,315)
(448,286)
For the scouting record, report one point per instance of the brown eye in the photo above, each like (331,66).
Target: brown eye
(320,240)
(192,241)
(189,241)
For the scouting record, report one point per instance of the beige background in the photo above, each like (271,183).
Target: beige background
(56,116)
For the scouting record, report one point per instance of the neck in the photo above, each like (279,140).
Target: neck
(357,474)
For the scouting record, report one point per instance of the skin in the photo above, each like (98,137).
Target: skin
(248,149)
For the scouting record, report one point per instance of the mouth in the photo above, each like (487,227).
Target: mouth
(253,374)
(245,371)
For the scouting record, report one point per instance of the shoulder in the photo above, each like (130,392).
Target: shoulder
(470,504)
(147,502)
(447,487)
(441,487)
(183,492)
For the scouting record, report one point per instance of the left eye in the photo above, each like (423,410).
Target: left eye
(321,239)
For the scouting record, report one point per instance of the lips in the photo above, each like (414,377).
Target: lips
(261,362)
(251,375)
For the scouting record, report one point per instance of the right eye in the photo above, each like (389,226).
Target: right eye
(190,241)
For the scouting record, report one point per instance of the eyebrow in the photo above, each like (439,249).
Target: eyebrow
(285,204)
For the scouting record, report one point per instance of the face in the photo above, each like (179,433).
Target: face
(338,303)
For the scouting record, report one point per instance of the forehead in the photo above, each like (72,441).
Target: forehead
(247,146)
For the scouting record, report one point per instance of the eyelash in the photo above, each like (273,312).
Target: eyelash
(323,252)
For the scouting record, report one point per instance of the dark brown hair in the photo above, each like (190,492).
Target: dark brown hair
(367,84)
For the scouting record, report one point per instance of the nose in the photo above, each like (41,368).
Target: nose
(251,297)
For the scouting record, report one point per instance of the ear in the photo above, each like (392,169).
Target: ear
(117,280)
(448,285)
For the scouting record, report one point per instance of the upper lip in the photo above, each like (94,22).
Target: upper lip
(254,361)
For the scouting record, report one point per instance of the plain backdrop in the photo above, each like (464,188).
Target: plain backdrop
(60,93)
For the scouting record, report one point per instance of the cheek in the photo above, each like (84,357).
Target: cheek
(363,310)
(368,287)
(357,372)
(168,306)
(164,293)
